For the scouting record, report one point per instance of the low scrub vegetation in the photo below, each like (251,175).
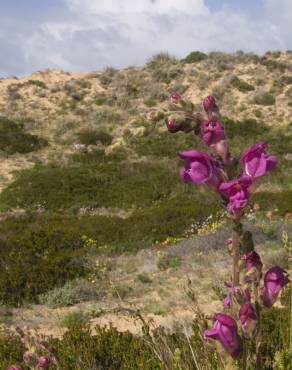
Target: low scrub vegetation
(14,139)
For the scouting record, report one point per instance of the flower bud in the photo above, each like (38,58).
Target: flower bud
(43,362)
(248,319)
(172,125)
(209,104)
(175,98)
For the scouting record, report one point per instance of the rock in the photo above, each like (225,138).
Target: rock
(81,148)
(288,156)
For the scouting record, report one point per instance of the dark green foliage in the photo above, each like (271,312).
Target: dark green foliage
(13,138)
(98,184)
(37,83)
(164,144)
(108,349)
(272,64)
(245,128)
(92,137)
(276,333)
(279,200)
(264,99)
(194,57)
(39,253)
(11,349)
(74,319)
(241,85)
(36,258)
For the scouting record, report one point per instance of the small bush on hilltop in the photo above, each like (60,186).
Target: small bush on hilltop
(161,59)
(194,57)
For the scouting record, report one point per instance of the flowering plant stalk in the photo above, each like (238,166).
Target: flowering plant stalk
(248,291)
(39,354)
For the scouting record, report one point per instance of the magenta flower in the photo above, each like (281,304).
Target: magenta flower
(256,162)
(14,367)
(43,362)
(212,132)
(201,168)
(253,266)
(52,350)
(248,319)
(175,98)
(209,104)
(225,330)
(237,193)
(275,279)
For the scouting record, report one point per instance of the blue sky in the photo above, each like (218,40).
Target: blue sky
(82,35)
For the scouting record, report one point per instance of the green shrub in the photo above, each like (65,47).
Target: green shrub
(108,349)
(194,57)
(37,259)
(98,184)
(275,333)
(13,138)
(11,349)
(37,83)
(161,59)
(264,99)
(75,319)
(241,85)
(168,261)
(92,137)
(72,292)
(144,278)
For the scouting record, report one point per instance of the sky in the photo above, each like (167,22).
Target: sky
(90,35)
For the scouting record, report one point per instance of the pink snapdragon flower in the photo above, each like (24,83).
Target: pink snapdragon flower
(212,132)
(225,331)
(43,362)
(14,367)
(248,319)
(275,279)
(237,193)
(253,266)
(256,162)
(201,168)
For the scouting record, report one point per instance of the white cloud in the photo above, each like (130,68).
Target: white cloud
(92,34)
